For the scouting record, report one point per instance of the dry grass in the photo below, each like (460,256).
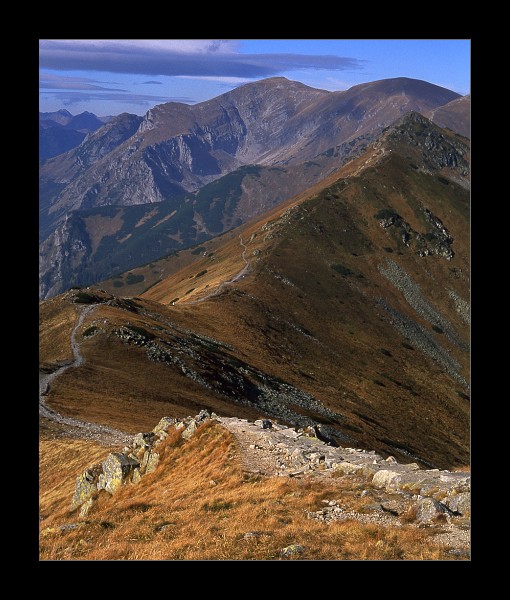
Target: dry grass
(56,319)
(198,505)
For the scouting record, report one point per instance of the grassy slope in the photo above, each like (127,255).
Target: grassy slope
(202,513)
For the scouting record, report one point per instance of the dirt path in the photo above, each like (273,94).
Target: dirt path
(236,277)
(74,427)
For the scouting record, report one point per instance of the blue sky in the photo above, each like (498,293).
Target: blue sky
(108,77)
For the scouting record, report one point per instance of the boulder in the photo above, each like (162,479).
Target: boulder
(190,430)
(163,425)
(347,468)
(429,509)
(152,463)
(116,470)
(83,490)
(86,485)
(143,439)
(203,415)
(460,503)
(386,479)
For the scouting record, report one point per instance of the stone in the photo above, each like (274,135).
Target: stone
(86,485)
(460,503)
(391,460)
(386,479)
(347,467)
(164,424)
(136,475)
(143,439)
(85,507)
(152,463)
(203,415)
(116,469)
(316,457)
(190,430)
(292,550)
(429,509)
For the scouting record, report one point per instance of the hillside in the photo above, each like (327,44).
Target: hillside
(333,503)
(95,243)
(347,307)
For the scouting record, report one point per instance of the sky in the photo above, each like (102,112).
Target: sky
(109,77)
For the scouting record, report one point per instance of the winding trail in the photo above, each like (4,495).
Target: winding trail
(80,429)
(236,277)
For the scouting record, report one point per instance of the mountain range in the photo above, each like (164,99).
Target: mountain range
(139,188)
(345,308)
(60,131)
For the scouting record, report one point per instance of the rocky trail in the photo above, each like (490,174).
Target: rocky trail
(236,277)
(74,427)
(382,491)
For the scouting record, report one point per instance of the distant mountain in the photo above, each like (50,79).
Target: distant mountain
(456,115)
(294,133)
(179,148)
(60,131)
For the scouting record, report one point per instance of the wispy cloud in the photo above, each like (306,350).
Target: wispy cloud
(52,81)
(69,98)
(152,83)
(198,58)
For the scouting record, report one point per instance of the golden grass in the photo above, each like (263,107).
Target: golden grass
(57,319)
(198,505)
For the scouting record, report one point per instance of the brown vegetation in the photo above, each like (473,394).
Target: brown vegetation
(198,504)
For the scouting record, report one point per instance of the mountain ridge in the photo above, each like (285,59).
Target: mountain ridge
(353,311)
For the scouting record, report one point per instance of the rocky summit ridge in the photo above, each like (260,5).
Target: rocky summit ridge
(400,492)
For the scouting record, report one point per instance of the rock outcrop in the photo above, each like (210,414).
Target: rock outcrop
(269,448)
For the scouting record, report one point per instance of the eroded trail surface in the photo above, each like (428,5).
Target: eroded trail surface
(67,425)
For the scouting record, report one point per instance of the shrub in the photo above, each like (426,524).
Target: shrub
(90,331)
(386,213)
(118,283)
(85,298)
(132,279)
(201,273)
(342,270)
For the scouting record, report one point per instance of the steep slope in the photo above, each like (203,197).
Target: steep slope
(179,148)
(456,115)
(347,307)
(96,243)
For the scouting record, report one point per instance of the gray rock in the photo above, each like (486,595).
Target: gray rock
(190,430)
(86,485)
(386,479)
(152,463)
(429,509)
(203,415)
(143,439)
(460,503)
(116,470)
(163,425)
